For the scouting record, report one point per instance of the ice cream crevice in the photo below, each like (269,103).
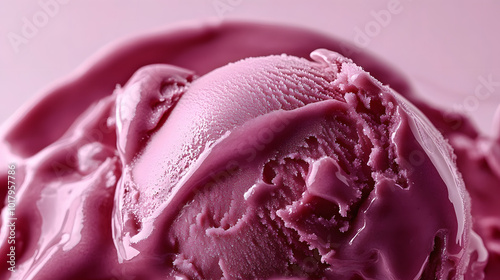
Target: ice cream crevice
(144,103)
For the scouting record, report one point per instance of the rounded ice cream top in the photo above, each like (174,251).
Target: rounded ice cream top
(271,167)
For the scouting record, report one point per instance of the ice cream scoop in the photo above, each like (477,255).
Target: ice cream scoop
(269,167)
(282,167)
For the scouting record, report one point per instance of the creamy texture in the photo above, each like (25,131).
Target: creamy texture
(279,167)
(312,164)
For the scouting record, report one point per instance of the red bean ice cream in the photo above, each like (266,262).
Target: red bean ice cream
(201,153)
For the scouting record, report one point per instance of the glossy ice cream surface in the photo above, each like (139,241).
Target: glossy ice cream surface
(268,167)
(277,166)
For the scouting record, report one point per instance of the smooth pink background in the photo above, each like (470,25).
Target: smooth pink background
(443,47)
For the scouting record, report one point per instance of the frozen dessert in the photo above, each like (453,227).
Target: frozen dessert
(277,166)
(159,160)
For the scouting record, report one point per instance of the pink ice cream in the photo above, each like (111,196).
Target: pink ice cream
(271,167)
(276,166)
